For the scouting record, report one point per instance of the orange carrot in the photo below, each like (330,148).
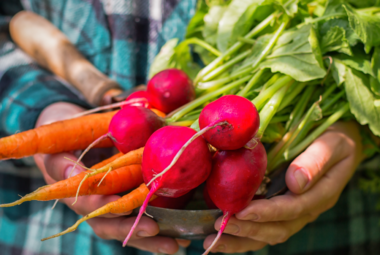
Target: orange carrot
(158,112)
(120,180)
(66,135)
(124,204)
(107,161)
(130,158)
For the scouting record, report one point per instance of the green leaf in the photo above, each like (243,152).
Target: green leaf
(183,60)
(314,42)
(362,100)
(294,56)
(196,23)
(358,61)
(334,7)
(259,46)
(364,3)
(366,26)
(230,17)
(350,34)
(335,40)
(195,125)
(211,21)
(273,133)
(253,15)
(375,86)
(375,63)
(338,70)
(164,58)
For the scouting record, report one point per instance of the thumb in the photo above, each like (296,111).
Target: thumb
(60,168)
(316,160)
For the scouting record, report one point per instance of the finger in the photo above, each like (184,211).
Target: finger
(233,244)
(268,232)
(59,168)
(88,204)
(118,228)
(316,160)
(318,199)
(39,159)
(184,243)
(157,244)
(56,112)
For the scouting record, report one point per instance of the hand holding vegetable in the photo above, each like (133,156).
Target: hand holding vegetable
(315,179)
(110,226)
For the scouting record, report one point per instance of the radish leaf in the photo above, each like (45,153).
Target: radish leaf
(366,26)
(229,19)
(358,61)
(338,70)
(211,21)
(362,101)
(294,56)
(164,58)
(335,40)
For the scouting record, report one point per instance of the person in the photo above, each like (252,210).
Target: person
(121,38)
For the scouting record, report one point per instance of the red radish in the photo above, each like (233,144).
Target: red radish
(170,89)
(208,200)
(239,112)
(137,98)
(186,174)
(234,180)
(228,123)
(129,129)
(173,202)
(132,126)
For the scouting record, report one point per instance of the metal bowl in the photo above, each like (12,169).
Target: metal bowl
(198,224)
(184,224)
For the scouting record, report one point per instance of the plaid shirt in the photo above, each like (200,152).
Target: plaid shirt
(121,38)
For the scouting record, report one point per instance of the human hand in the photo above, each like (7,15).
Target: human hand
(110,226)
(315,179)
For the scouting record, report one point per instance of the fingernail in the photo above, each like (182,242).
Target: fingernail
(301,178)
(232,229)
(221,247)
(251,216)
(160,250)
(68,171)
(143,234)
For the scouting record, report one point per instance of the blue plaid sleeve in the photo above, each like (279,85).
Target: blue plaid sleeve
(25,88)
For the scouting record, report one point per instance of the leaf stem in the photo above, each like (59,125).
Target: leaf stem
(203,99)
(270,108)
(203,44)
(315,134)
(252,82)
(234,48)
(266,94)
(226,66)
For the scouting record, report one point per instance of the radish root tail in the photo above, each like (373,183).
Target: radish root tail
(225,220)
(86,150)
(155,187)
(179,153)
(109,170)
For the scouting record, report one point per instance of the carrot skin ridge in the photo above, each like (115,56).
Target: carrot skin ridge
(124,204)
(57,137)
(132,157)
(120,180)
